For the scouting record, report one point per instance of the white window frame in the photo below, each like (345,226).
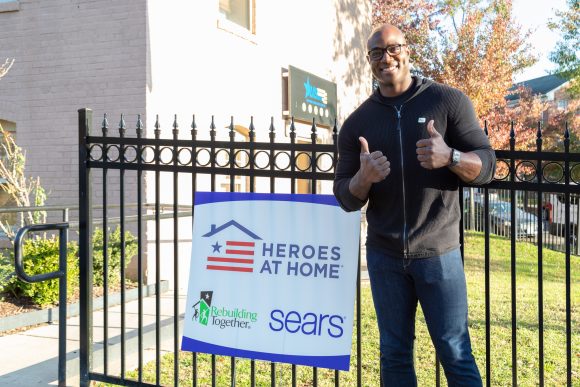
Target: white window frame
(9,5)
(225,24)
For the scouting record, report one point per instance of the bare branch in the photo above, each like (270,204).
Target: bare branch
(6,66)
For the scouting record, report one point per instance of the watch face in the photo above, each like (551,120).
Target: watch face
(455,157)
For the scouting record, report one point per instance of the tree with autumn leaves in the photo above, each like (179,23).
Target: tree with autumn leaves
(477,47)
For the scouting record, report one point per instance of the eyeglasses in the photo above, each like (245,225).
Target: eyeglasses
(377,53)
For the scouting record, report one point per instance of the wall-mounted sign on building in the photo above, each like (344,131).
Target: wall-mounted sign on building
(311,97)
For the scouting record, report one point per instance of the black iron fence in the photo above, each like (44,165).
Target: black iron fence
(157,169)
(553,216)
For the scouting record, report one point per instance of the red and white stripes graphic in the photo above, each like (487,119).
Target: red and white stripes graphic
(238,257)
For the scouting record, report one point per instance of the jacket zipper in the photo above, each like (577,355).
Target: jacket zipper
(405,241)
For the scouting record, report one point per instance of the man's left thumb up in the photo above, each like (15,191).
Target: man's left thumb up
(431,129)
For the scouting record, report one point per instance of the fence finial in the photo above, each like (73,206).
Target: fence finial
(175,127)
(292,129)
(212,129)
(157,127)
(566,139)
(105,125)
(193,128)
(232,133)
(272,129)
(512,137)
(313,134)
(252,130)
(139,126)
(122,126)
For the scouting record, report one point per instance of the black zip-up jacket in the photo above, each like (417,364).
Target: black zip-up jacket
(414,212)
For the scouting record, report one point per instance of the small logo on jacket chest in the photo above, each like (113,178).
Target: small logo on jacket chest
(421,120)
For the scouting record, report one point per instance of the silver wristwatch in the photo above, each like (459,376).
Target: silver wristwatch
(455,157)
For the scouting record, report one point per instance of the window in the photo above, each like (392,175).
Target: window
(8,126)
(9,5)
(563,104)
(240,12)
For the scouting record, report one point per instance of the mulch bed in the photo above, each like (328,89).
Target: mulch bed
(10,305)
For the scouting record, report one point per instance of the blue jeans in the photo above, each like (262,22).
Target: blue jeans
(438,283)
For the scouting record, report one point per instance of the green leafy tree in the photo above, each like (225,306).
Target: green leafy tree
(566,54)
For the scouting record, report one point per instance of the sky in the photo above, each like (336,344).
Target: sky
(534,14)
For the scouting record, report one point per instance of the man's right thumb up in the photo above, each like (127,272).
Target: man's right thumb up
(364,145)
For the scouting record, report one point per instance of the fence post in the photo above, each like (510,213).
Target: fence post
(471,209)
(85,249)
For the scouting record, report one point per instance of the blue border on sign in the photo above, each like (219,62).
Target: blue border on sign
(214,197)
(340,362)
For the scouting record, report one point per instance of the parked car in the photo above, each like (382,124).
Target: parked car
(500,219)
(526,224)
(556,206)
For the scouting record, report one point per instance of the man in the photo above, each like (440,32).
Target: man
(403,150)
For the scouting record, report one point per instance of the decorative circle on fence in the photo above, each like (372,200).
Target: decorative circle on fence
(165,155)
(203,157)
(525,171)
(242,155)
(113,153)
(96,152)
(282,161)
(262,160)
(303,161)
(324,162)
(575,173)
(502,170)
(553,172)
(222,158)
(184,156)
(148,155)
(130,154)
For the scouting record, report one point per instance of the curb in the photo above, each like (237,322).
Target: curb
(50,315)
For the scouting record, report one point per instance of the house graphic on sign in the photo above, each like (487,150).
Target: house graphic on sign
(232,223)
(231,255)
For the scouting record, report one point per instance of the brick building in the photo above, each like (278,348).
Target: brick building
(210,57)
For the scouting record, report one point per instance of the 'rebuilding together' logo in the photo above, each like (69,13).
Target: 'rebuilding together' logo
(206,314)
(201,308)
(250,253)
(316,100)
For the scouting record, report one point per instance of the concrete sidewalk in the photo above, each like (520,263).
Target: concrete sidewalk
(30,358)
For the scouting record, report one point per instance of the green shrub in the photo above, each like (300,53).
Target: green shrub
(113,253)
(41,256)
(6,270)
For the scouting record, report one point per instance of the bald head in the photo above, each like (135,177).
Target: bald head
(388,57)
(384,30)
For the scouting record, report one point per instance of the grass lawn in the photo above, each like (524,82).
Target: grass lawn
(501,328)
